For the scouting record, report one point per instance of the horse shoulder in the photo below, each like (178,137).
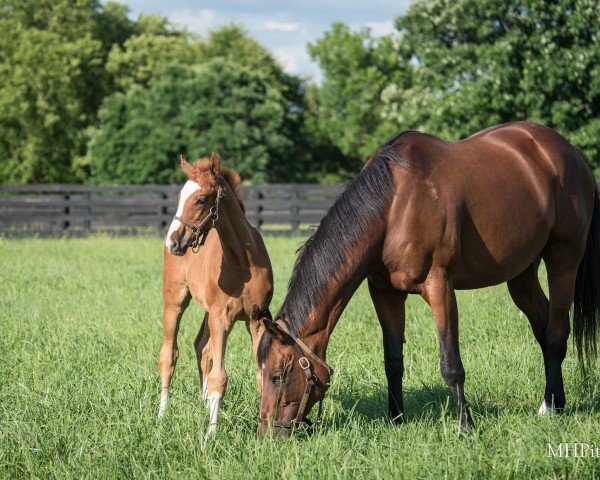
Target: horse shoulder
(423,231)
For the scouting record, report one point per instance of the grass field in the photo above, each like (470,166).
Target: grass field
(80,329)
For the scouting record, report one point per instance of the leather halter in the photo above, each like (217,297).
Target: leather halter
(197,241)
(311,381)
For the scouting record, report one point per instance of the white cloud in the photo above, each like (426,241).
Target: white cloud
(380,29)
(295,60)
(282,26)
(196,21)
(292,57)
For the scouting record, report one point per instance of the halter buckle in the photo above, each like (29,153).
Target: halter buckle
(304,363)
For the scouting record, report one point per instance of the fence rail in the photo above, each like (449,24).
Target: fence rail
(50,210)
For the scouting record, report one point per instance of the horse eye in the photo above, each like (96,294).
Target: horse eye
(201,201)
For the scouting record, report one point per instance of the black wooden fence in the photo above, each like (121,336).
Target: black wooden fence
(48,210)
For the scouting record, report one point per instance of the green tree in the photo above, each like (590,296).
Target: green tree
(52,80)
(483,62)
(232,43)
(357,68)
(218,105)
(154,45)
(157,46)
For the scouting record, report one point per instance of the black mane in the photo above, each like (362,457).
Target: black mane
(363,201)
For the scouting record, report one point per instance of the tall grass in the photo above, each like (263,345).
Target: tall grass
(80,329)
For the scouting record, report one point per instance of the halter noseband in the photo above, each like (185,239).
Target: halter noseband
(197,241)
(311,381)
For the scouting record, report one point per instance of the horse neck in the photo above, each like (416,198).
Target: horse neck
(343,284)
(234,231)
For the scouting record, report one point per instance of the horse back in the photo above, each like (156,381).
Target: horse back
(484,208)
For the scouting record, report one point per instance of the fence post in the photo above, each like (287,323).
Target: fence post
(163,210)
(295,209)
(66,211)
(259,208)
(87,221)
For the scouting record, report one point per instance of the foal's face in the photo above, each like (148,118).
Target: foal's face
(282,386)
(194,202)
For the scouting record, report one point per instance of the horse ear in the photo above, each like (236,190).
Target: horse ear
(215,164)
(272,328)
(186,167)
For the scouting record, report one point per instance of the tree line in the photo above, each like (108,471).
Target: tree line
(89,95)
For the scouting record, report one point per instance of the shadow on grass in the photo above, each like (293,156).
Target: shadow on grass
(426,402)
(429,403)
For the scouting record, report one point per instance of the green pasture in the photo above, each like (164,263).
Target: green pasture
(80,329)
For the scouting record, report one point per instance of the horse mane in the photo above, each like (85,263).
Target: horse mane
(231,177)
(234,181)
(321,257)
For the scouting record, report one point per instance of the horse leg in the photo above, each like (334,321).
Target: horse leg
(175,302)
(438,292)
(202,348)
(389,305)
(562,272)
(527,293)
(254,329)
(220,325)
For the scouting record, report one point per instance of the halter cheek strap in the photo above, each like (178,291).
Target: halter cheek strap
(197,241)
(311,381)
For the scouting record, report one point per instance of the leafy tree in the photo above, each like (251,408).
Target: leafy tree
(52,80)
(323,160)
(154,46)
(218,105)
(482,62)
(233,43)
(357,67)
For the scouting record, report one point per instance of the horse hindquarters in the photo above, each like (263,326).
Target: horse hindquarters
(571,261)
(586,309)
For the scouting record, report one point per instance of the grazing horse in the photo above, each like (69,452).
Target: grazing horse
(429,217)
(226,269)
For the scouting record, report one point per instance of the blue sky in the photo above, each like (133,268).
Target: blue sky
(282,27)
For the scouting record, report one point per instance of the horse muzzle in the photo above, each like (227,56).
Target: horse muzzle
(180,244)
(265,430)
(176,248)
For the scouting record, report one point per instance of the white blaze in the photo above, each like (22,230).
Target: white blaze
(189,188)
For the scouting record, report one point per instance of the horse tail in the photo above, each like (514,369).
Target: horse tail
(586,307)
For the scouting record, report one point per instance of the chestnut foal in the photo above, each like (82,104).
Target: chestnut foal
(226,269)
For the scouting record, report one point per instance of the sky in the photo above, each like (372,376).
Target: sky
(283,27)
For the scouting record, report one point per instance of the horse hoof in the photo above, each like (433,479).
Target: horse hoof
(546,409)
(398,419)
(212,430)
(466,424)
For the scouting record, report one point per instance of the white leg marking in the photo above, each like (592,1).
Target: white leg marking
(214,401)
(164,396)
(546,409)
(189,188)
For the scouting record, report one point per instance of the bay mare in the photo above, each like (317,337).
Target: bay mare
(226,269)
(429,217)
